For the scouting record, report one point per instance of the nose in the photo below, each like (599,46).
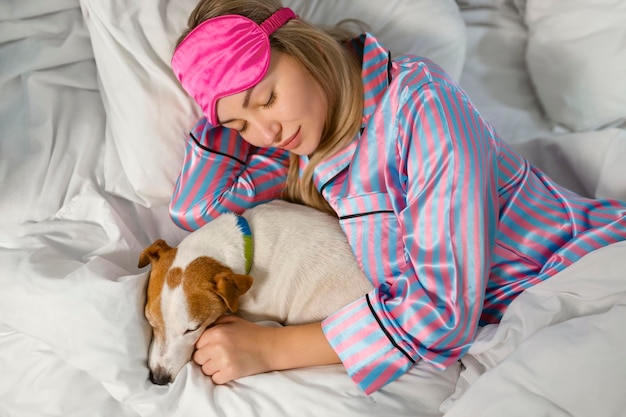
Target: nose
(268,131)
(160,376)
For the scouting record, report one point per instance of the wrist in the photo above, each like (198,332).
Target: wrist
(298,346)
(272,354)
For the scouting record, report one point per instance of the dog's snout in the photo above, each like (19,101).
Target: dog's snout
(160,376)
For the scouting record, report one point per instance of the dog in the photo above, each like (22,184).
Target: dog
(279,261)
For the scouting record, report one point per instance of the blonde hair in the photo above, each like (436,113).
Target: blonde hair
(334,68)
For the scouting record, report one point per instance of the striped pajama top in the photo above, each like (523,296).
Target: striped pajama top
(448,222)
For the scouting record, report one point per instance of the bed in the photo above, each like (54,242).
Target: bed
(93,129)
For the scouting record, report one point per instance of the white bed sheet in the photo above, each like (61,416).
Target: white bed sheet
(73,340)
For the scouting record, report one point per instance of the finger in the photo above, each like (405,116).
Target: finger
(211,336)
(204,339)
(218,375)
(200,357)
(208,368)
(220,378)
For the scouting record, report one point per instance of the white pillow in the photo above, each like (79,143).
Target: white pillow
(589,163)
(148,113)
(576,57)
(434,29)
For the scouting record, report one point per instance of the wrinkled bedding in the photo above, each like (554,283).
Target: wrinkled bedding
(92,130)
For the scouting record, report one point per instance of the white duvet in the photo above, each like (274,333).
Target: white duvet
(81,194)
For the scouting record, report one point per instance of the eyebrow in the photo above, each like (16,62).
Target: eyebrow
(246,99)
(246,103)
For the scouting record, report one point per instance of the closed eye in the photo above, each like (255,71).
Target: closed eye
(192,329)
(270,102)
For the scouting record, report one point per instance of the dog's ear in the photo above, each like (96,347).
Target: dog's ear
(153,252)
(230,287)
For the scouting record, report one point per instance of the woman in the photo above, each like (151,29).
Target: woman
(447,221)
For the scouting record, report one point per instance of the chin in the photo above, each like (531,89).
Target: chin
(306,148)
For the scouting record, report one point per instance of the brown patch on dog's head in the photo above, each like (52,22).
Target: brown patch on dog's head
(211,289)
(174,278)
(204,275)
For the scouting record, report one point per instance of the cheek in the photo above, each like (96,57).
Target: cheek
(317,104)
(309,103)
(250,139)
(253,139)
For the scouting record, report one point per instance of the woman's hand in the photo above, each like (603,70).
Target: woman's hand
(233,348)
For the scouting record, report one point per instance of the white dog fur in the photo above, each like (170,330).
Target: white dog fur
(302,271)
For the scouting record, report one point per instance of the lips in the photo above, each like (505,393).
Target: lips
(292,142)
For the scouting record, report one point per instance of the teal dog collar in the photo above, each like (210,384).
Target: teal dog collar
(248,244)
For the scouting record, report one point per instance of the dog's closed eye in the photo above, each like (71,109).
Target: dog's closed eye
(192,329)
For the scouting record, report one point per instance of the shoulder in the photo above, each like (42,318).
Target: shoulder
(419,88)
(413,68)
(415,72)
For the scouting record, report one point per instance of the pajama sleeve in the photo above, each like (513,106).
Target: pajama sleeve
(445,166)
(222,172)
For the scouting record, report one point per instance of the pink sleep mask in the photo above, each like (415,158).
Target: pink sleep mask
(225,55)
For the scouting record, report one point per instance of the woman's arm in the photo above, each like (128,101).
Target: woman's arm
(233,348)
(222,172)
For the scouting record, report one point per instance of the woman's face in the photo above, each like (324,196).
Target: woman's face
(286,109)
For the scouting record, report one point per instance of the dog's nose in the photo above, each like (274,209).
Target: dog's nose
(160,376)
